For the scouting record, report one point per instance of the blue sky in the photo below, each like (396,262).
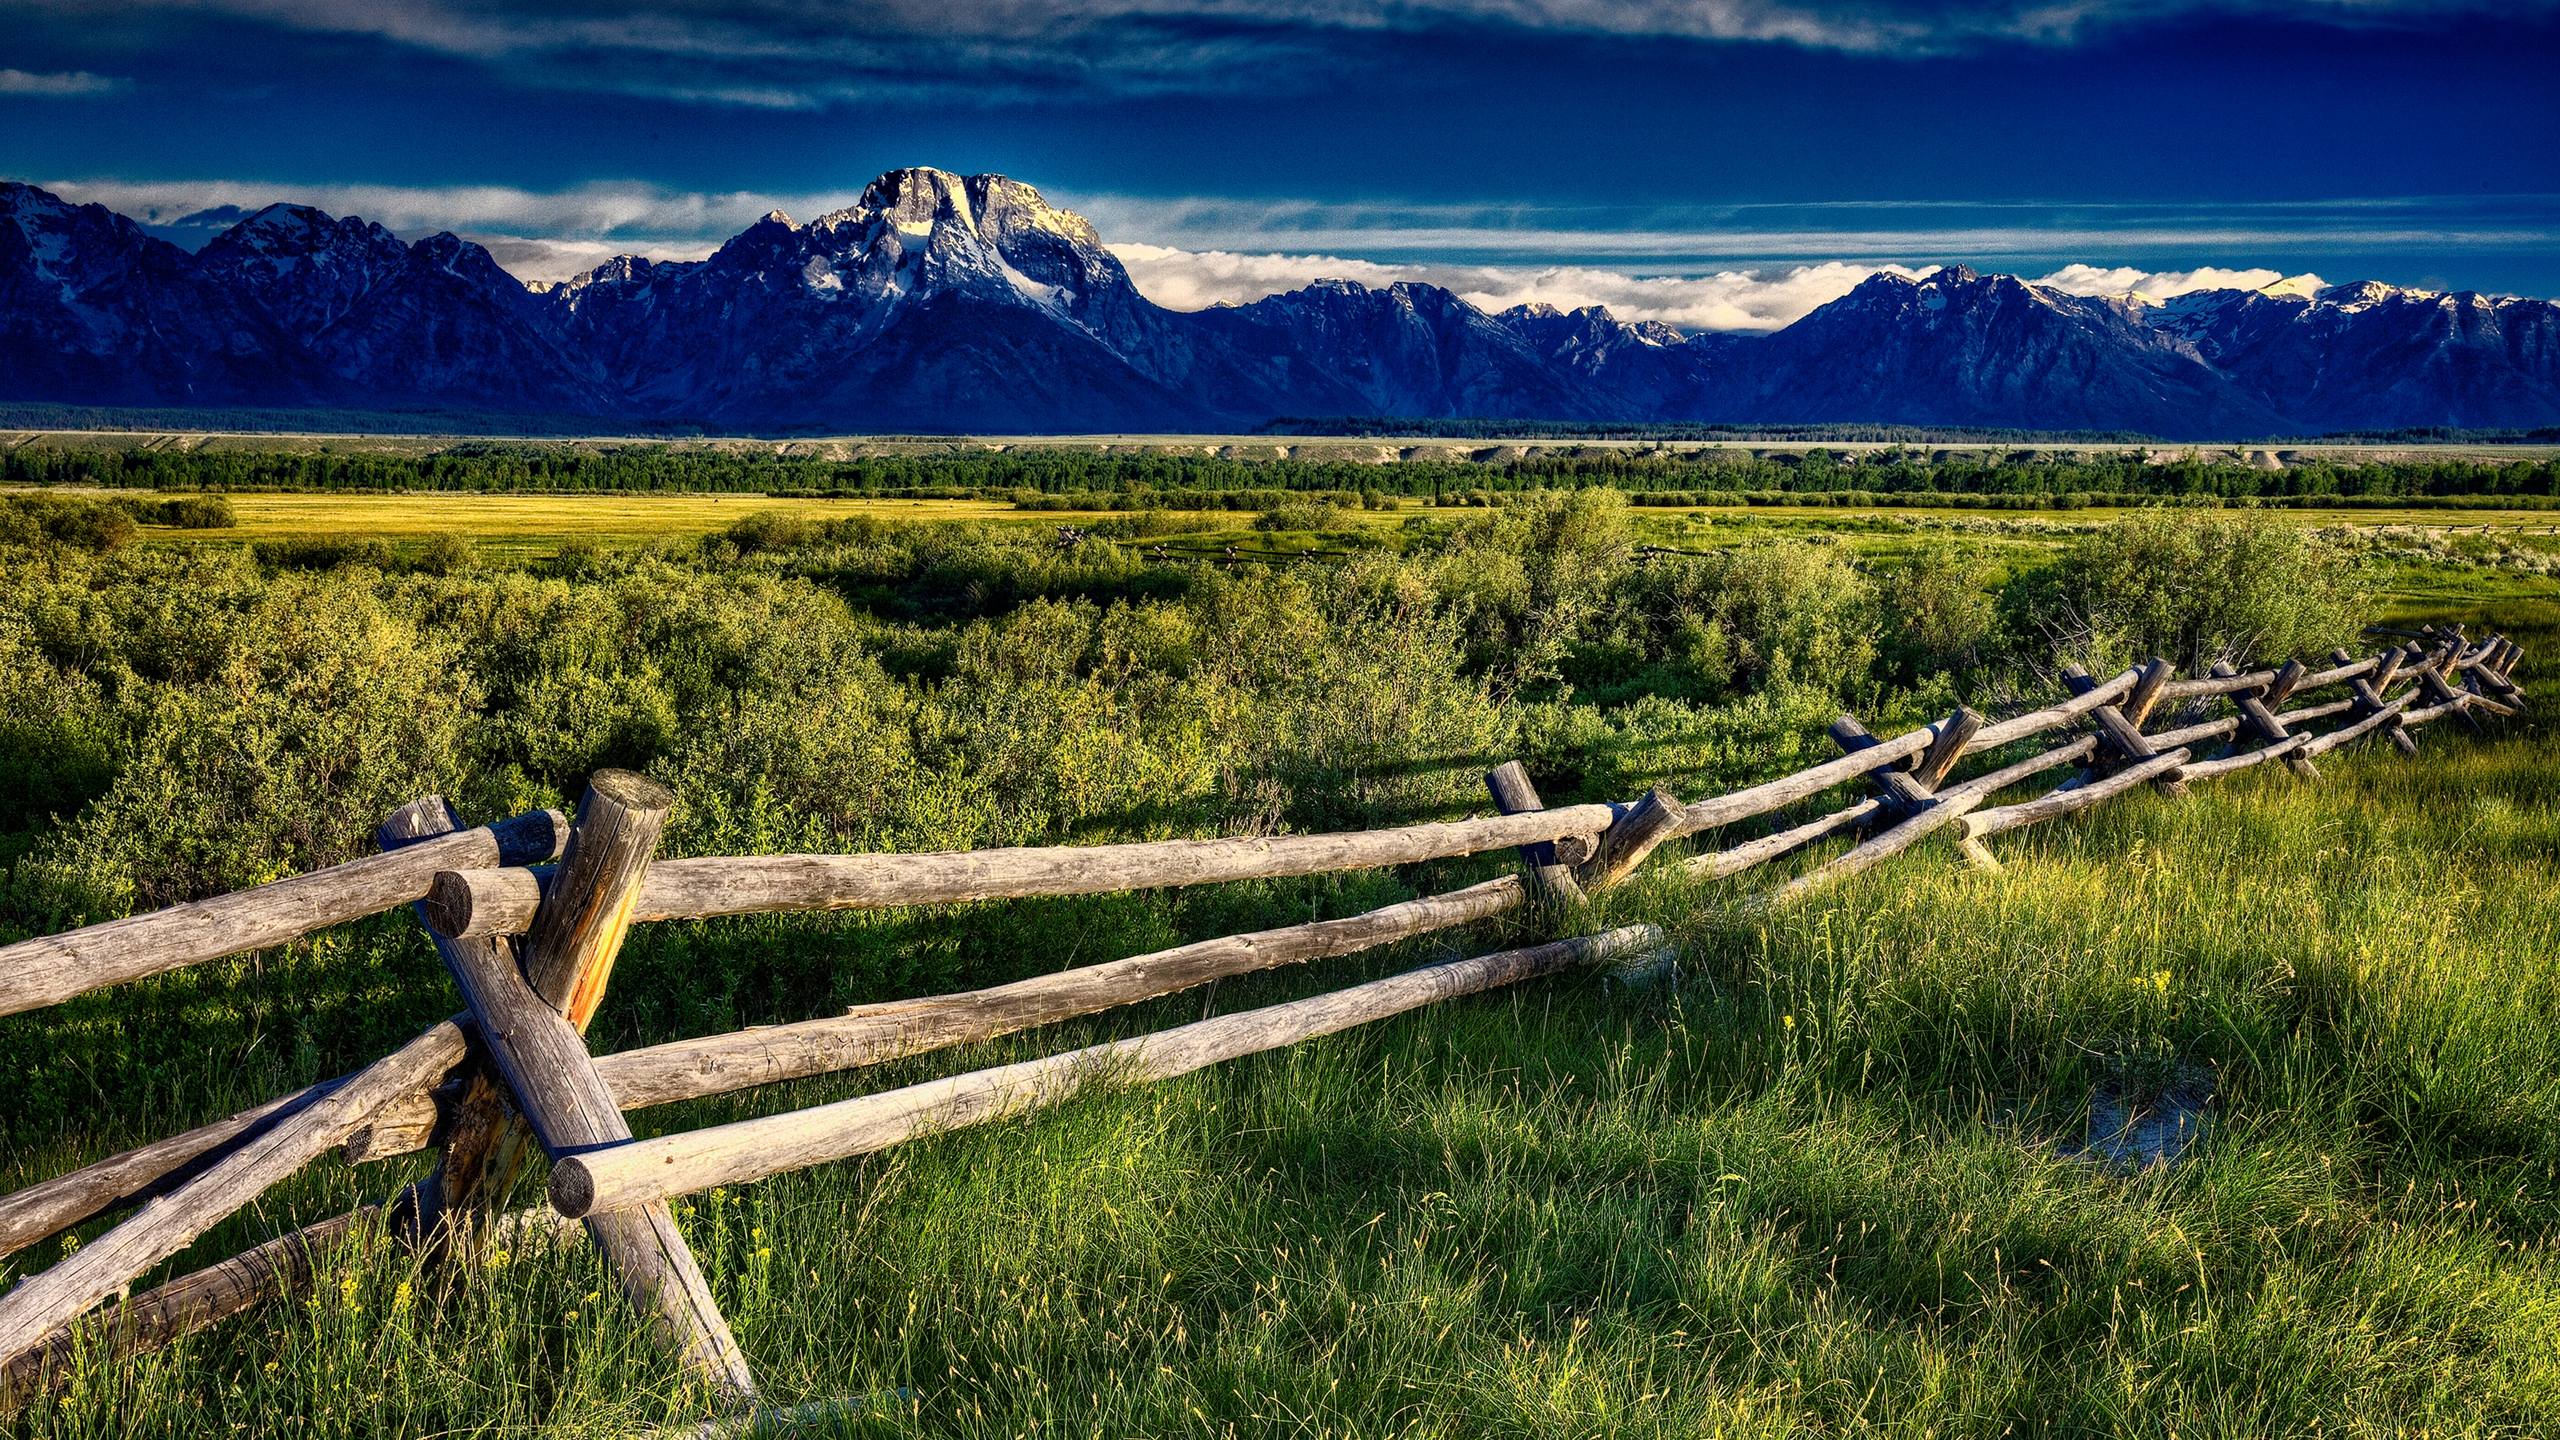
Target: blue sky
(1722,163)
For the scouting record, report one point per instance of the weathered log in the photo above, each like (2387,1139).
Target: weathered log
(2481,699)
(2449,701)
(570,948)
(1901,793)
(2343,666)
(1978,853)
(1770,795)
(2244,759)
(2491,674)
(1937,815)
(157,1317)
(2388,669)
(1946,809)
(52,1298)
(538,1051)
(2148,691)
(650,1171)
(2222,681)
(1739,858)
(2053,716)
(688,1069)
(2387,715)
(2261,722)
(2367,690)
(873,1034)
(2297,718)
(1651,821)
(479,1162)
(2280,689)
(1983,824)
(2191,734)
(50,1207)
(53,968)
(2416,716)
(1550,879)
(497,902)
(1954,737)
(2120,738)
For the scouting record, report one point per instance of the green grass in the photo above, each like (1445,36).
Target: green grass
(526,526)
(1824,1186)
(1828,1184)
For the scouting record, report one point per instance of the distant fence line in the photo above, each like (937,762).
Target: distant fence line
(531,946)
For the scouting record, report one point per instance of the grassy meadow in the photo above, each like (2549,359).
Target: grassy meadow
(1835,1180)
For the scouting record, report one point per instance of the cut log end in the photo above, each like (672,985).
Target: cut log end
(631,790)
(479,904)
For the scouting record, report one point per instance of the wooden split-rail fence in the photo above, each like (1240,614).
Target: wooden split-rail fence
(529,913)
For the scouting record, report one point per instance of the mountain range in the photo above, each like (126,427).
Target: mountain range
(940,302)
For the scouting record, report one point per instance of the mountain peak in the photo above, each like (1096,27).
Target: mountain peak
(17,196)
(288,230)
(1952,275)
(2360,294)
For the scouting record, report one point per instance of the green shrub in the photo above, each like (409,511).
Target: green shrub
(1299,514)
(69,521)
(316,554)
(2196,587)
(445,555)
(1939,613)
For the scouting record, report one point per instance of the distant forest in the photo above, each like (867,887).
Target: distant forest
(1389,426)
(1065,479)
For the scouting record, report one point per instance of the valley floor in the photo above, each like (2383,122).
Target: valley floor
(1834,1181)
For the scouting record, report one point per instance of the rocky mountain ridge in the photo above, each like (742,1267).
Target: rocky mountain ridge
(940,302)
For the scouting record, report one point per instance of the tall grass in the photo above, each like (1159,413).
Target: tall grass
(1834,1181)
(1830,1183)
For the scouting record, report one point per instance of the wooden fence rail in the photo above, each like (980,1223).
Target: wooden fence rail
(531,950)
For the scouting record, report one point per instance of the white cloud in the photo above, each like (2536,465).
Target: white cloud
(536,234)
(57,84)
(2162,284)
(1763,299)
(1693,236)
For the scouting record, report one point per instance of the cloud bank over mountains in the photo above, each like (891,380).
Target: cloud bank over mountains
(1746,300)
(1667,267)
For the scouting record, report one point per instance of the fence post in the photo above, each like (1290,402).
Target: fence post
(1550,878)
(2368,692)
(2261,722)
(1623,846)
(1903,793)
(530,1016)
(1954,735)
(2120,736)
(2146,692)
(2488,680)
(2431,678)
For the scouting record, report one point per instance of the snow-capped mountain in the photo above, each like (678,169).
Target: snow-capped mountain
(437,322)
(94,311)
(1958,348)
(943,302)
(1416,350)
(2370,355)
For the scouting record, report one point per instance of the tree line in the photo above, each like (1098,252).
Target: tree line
(1066,478)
